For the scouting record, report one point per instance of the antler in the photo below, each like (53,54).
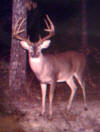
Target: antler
(49,29)
(17,30)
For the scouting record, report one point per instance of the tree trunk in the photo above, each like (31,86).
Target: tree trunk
(17,69)
(84,26)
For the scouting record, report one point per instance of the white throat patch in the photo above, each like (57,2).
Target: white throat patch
(35,60)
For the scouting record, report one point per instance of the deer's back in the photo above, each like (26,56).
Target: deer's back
(64,65)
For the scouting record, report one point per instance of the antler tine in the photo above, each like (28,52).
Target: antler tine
(22,30)
(28,40)
(40,37)
(17,30)
(51,24)
(49,29)
(15,26)
(21,25)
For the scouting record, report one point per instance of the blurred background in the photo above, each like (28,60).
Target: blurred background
(77,27)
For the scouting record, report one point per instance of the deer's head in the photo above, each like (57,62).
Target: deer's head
(34,49)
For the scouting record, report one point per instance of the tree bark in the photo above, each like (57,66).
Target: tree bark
(17,69)
(84,26)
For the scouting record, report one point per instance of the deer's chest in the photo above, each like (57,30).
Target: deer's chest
(40,69)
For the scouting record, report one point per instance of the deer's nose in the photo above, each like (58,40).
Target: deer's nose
(35,55)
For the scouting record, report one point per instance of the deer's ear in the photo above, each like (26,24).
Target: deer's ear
(45,44)
(24,45)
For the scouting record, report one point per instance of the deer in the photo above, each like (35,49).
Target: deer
(49,68)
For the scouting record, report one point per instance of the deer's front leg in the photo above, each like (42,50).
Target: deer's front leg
(51,94)
(43,92)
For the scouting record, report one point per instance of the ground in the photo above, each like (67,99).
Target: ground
(30,120)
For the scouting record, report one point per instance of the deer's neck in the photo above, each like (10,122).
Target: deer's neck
(36,64)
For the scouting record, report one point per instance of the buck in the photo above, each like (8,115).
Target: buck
(49,69)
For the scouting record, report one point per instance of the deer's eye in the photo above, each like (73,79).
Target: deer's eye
(32,48)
